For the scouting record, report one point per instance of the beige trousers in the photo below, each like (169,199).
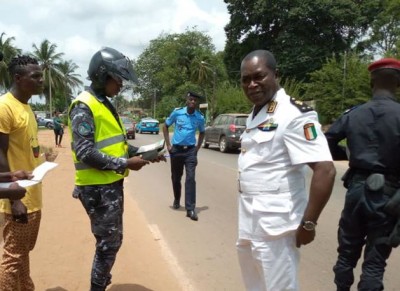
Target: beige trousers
(19,240)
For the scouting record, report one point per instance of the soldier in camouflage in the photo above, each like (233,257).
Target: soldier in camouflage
(102,158)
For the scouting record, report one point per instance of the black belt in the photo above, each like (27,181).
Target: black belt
(361,173)
(183,147)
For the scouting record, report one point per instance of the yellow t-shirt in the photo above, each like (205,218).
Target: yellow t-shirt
(18,121)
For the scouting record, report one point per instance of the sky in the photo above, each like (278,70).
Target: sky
(80,28)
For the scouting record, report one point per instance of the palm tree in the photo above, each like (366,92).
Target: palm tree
(9,51)
(48,57)
(70,79)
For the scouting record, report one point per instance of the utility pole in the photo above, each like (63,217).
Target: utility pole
(344,80)
(154,103)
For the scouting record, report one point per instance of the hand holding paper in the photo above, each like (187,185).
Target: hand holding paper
(38,174)
(152,151)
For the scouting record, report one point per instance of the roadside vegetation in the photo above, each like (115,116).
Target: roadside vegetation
(322,47)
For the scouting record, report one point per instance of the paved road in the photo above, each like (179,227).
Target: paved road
(203,253)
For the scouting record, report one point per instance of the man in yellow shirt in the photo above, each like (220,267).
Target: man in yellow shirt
(19,143)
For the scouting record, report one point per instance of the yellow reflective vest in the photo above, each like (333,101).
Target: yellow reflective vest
(109,139)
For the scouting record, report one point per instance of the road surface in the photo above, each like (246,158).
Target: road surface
(202,254)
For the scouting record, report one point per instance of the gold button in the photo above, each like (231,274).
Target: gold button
(243,150)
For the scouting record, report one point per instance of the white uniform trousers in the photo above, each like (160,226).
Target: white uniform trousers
(269,265)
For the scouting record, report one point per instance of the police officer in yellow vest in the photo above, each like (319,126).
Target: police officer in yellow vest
(102,157)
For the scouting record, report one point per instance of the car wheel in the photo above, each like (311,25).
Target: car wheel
(223,146)
(205,144)
(156,132)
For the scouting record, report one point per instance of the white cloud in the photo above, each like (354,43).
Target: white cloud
(79,28)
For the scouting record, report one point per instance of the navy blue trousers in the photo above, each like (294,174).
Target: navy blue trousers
(184,159)
(362,222)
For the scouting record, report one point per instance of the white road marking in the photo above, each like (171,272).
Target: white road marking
(171,259)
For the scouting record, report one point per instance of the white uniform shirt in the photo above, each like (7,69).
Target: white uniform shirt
(272,167)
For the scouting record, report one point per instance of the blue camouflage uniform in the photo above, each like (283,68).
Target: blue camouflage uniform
(184,152)
(103,203)
(373,139)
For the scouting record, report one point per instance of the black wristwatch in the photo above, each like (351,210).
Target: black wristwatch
(309,225)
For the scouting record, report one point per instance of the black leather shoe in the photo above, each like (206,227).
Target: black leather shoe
(176,204)
(192,214)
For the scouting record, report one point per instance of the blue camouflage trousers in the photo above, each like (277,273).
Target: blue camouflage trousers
(104,205)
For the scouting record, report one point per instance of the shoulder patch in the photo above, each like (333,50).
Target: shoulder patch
(303,107)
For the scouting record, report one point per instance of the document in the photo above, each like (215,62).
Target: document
(151,151)
(38,175)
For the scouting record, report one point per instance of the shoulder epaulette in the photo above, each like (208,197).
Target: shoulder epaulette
(350,109)
(178,108)
(303,107)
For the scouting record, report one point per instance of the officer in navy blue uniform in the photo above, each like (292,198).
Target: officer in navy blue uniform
(372,131)
(183,150)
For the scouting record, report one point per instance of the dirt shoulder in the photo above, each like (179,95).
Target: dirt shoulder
(63,254)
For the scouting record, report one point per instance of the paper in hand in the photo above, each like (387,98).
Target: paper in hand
(151,151)
(38,174)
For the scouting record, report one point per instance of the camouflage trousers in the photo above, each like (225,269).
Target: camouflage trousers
(19,240)
(104,205)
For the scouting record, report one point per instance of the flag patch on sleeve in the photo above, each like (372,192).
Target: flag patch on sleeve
(309,131)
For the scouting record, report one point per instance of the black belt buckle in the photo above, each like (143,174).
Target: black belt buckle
(184,147)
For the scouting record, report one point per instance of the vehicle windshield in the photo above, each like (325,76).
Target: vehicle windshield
(126,120)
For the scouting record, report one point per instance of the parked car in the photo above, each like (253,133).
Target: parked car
(129,125)
(225,131)
(47,122)
(148,124)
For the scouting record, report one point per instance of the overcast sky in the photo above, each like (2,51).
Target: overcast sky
(79,28)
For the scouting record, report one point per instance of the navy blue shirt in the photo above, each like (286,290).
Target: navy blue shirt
(372,131)
(186,126)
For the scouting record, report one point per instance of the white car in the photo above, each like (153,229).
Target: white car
(46,122)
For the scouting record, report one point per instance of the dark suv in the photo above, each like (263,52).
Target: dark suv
(225,131)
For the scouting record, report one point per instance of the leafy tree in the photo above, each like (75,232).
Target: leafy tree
(231,99)
(339,85)
(172,62)
(384,34)
(9,51)
(301,33)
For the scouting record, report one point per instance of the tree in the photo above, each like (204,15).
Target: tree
(385,29)
(48,57)
(231,99)
(170,62)
(70,81)
(9,51)
(301,33)
(339,85)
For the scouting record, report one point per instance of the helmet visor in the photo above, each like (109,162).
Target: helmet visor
(122,69)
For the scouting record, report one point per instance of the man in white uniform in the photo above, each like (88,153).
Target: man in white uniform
(276,216)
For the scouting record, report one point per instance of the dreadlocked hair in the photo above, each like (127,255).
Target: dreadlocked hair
(17,64)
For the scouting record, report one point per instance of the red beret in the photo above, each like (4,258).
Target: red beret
(386,63)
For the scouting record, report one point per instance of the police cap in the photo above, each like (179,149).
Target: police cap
(385,63)
(192,94)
